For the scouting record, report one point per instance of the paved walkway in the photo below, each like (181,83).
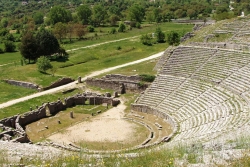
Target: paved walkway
(95,73)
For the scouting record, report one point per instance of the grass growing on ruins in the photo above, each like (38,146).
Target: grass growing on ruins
(37,131)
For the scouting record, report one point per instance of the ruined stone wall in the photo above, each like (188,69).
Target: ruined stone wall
(10,121)
(32,116)
(58,83)
(131,85)
(75,100)
(14,126)
(97,100)
(22,84)
(55,107)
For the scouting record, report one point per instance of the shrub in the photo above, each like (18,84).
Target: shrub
(138,25)
(147,77)
(173,38)
(9,46)
(146,40)
(43,64)
(113,31)
(122,27)
(90,29)
(1,51)
(160,36)
(118,47)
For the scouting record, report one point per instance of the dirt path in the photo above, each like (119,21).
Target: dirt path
(94,45)
(5,64)
(73,84)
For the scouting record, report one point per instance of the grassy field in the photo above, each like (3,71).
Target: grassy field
(141,68)
(84,61)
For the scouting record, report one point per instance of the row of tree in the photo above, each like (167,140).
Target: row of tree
(99,12)
(173,37)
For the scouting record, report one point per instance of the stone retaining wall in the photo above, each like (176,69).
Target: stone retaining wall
(119,83)
(119,77)
(29,85)
(58,83)
(165,116)
(22,84)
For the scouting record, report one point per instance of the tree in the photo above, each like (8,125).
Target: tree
(157,16)
(43,64)
(192,13)
(79,30)
(70,30)
(28,47)
(160,36)
(136,12)
(38,18)
(9,46)
(84,13)
(59,14)
(48,44)
(173,38)
(122,27)
(179,13)
(99,15)
(113,20)
(4,22)
(60,30)
(150,17)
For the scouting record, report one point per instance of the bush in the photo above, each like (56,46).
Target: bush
(138,25)
(113,31)
(1,51)
(9,46)
(146,40)
(160,36)
(118,47)
(173,38)
(91,29)
(43,64)
(147,77)
(122,27)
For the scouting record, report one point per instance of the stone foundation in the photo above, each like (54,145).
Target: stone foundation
(13,127)
(119,83)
